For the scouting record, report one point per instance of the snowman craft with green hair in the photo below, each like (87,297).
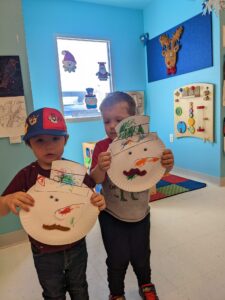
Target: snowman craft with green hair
(136,155)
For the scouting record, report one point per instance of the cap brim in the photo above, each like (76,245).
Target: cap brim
(30,135)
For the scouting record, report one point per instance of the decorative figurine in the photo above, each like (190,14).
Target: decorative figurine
(90,99)
(69,62)
(102,73)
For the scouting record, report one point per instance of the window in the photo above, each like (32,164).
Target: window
(85,76)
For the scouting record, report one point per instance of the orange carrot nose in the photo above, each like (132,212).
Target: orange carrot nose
(141,162)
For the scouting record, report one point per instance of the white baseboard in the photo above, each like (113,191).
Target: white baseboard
(220,181)
(12,238)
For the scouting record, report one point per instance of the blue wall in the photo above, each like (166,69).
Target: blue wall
(190,153)
(44,20)
(13,157)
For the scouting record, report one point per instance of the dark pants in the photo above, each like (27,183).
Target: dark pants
(63,271)
(126,242)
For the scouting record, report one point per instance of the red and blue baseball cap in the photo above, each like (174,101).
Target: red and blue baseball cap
(43,121)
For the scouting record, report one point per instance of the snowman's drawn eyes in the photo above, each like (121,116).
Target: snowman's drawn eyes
(145,149)
(52,197)
(129,152)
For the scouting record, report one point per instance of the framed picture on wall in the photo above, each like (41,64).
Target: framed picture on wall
(11,83)
(138,96)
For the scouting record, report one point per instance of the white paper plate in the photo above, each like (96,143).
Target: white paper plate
(143,156)
(59,217)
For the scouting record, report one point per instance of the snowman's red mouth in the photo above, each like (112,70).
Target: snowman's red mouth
(133,172)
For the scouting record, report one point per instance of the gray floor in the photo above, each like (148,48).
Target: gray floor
(188,253)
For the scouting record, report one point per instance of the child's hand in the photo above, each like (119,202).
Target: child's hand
(98,200)
(104,161)
(18,200)
(167,160)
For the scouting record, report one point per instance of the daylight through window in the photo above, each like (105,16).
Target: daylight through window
(85,76)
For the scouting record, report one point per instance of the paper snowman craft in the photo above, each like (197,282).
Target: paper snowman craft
(62,213)
(136,155)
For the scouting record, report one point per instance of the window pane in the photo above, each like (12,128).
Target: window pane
(85,76)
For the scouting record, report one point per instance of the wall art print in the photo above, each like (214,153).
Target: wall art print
(170,48)
(195,53)
(11,83)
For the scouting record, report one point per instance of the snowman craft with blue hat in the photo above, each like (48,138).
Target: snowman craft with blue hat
(90,99)
(136,155)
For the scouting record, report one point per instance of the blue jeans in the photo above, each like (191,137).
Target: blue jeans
(63,271)
(125,242)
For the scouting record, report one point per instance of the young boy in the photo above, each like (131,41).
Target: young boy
(125,241)
(59,268)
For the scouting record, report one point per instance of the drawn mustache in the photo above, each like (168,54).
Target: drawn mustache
(55,227)
(133,172)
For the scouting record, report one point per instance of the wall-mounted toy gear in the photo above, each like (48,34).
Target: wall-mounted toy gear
(193,111)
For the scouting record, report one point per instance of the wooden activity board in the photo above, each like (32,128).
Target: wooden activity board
(193,111)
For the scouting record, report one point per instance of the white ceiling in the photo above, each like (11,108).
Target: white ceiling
(137,4)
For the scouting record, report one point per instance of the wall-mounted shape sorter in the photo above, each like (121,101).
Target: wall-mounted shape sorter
(193,111)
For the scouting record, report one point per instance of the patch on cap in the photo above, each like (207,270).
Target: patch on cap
(53,119)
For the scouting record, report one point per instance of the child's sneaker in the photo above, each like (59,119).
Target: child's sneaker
(116,297)
(148,292)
